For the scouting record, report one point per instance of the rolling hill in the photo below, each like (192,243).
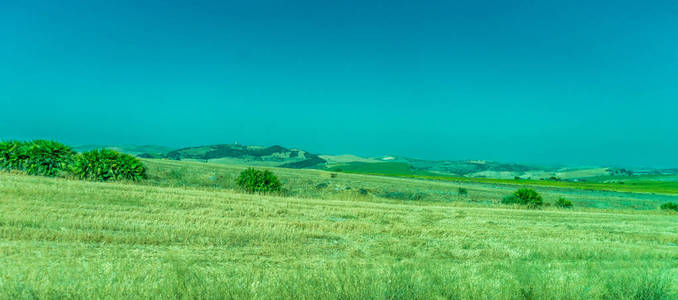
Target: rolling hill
(273,156)
(278,156)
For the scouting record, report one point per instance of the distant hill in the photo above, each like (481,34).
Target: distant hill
(275,156)
(396,165)
(278,156)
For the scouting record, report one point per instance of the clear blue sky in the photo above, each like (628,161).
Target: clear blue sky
(575,82)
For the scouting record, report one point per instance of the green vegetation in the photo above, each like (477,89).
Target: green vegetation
(77,239)
(563,203)
(146,150)
(187,231)
(104,165)
(638,184)
(40,157)
(510,199)
(273,156)
(524,196)
(604,179)
(13,155)
(302,183)
(257,181)
(381,168)
(670,206)
(529,197)
(49,158)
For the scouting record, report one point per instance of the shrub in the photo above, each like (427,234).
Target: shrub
(669,206)
(47,158)
(416,196)
(252,180)
(563,203)
(462,191)
(524,196)
(510,199)
(105,164)
(529,197)
(13,155)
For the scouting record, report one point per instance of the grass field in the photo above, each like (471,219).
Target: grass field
(319,184)
(187,233)
(655,184)
(382,168)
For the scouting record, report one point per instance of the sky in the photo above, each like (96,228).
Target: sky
(565,82)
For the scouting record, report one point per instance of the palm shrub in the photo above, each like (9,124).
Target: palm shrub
(563,203)
(524,196)
(13,155)
(669,206)
(47,158)
(529,197)
(252,180)
(106,164)
(510,199)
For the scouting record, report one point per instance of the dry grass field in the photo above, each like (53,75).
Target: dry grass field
(187,233)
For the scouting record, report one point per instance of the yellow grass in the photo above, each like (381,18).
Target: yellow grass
(72,239)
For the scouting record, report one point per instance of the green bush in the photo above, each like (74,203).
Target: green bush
(524,196)
(252,180)
(529,197)
(669,206)
(510,199)
(105,164)
(13,155)
(47,158)
(462,191)
(404,195)
(563,203)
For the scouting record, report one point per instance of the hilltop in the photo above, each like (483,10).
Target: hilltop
(273,156)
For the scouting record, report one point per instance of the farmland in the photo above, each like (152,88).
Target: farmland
(187,232)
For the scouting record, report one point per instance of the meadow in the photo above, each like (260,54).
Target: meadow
(187,232)
(321,184)
(652,184)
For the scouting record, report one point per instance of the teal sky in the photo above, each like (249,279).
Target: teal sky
(574,82)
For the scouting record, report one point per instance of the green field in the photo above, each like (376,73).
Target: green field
(656,184)
(640,184)
(382,168)
(187,232)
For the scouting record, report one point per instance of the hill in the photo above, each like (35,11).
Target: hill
(273,156)
(278,156)
(396,165)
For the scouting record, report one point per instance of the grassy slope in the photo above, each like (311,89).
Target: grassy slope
(65,239)
(664,184)
(383,168)
(319,184)
(639,184)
